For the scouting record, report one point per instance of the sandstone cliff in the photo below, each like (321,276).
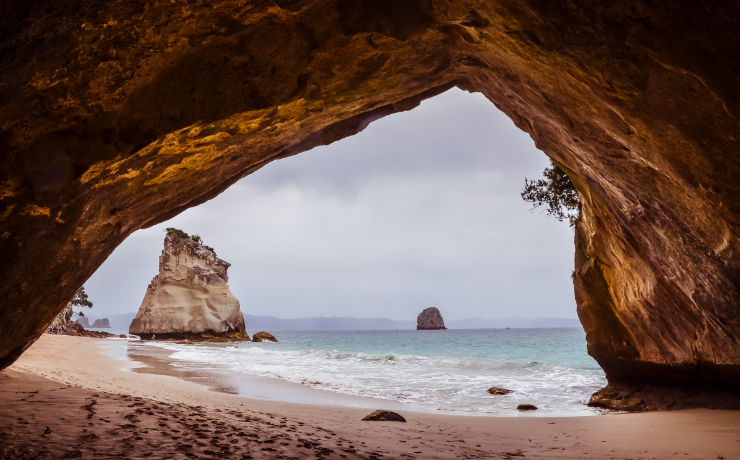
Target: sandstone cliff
(430,318)
(130,112)
(190,297)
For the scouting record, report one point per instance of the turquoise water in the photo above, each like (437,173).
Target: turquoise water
(447,371)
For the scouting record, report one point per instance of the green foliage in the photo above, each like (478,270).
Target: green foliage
(556,191)
(195,238)
(177,232)
(80,299)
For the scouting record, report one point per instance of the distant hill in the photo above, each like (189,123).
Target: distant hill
(323,323)
(342,323)
(495,323)
(254,323)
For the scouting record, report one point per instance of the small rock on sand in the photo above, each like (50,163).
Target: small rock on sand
(384,416)
(498,391)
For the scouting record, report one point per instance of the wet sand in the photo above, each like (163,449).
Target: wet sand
(157,361)
(66,398)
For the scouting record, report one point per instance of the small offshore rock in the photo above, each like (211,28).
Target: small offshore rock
(384,416)
(102,323)
(526,407)
(263,336)
(430,319)
(498,391)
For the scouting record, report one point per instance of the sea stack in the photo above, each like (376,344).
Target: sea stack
(430,318)
(101,323)
(189,298)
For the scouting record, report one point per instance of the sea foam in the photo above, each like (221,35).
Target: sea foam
(445,378)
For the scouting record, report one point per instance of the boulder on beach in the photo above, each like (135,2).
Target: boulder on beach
(526,407)
(430,319)
(263,336)
(384,416)
(498,391)
(189,299)
(101,323)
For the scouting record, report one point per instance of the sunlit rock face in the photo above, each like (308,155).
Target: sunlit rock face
(189,298)
(117,116)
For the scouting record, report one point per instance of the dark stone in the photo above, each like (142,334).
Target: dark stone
(205,336)
(384,416)
(649,397)
(430,319)
(498,391)
(263,336)
(526,407)
(75,329)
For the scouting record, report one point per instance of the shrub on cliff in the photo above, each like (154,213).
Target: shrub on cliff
(80,299)
(556,191)
(183,234)
(177,232)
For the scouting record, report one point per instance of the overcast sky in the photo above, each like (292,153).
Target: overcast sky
(420,209)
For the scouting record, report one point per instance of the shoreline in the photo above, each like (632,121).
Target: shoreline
(92,406)
(407,370)
(157,361)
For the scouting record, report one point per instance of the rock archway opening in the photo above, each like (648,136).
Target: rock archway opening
(421,208)
(126,116)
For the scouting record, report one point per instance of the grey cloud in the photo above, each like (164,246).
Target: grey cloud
(422,208)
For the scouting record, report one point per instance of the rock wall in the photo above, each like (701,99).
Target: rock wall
(430,318)
(130,112)
(189,298)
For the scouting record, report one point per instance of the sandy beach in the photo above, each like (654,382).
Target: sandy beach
(66,398)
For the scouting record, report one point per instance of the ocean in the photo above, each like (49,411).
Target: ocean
(445,371)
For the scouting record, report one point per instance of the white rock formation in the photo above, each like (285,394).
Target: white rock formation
(190,297)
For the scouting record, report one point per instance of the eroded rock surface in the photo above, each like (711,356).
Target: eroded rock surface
(190,297)
(130,112)
(430,318)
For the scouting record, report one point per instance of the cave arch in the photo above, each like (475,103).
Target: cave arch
(129,113)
